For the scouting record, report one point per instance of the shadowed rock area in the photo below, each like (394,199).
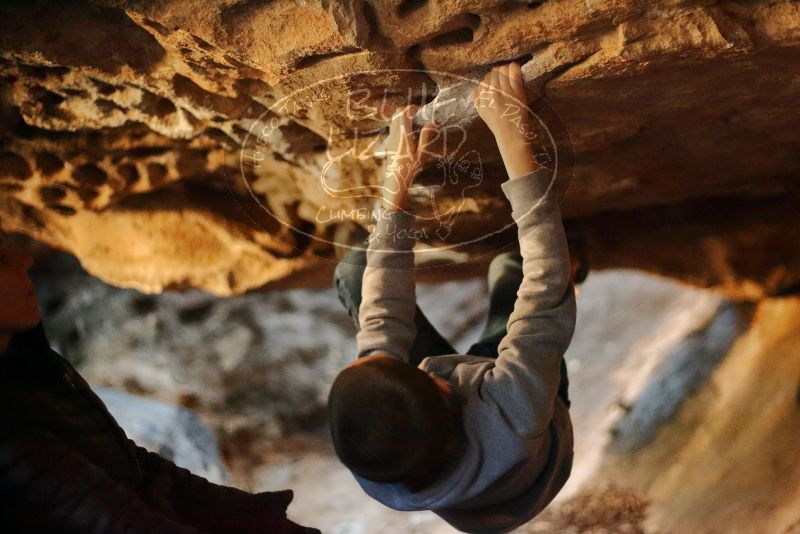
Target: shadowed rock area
(125,125)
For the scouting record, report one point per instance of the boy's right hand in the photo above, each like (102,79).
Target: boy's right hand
(501,102)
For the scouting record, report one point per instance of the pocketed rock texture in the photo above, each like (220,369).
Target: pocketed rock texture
(127,126)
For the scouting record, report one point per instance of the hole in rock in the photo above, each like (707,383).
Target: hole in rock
(90,174)
(48,163)
(254,110)
(205,45)
(308,61)
(32,216)
(196,314)
(241,132)
(143,304)
(41,73)
(10,187)
(409,6)
(252,86)
(523,59)
(87,194)
(375,37)
(66,211)
(146,151)
(217,135)
(50,194)
(103,88)
(300,138)
(156,172)
(413,52)
(80,93)
(192,162)
(107,106)
(14,166)
(159,106)
(129,172)
(157,26)
(459,36)
(235,62)
(220,104)
(50,99)
(473,20)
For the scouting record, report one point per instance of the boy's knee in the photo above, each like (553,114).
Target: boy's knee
(505,264)
(348,275)
(339,274)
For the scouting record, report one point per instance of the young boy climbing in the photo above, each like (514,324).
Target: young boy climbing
(483,439)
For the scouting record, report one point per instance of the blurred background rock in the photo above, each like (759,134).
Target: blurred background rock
(256,369)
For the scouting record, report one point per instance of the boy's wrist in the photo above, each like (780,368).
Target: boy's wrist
(518,157)
(395,202)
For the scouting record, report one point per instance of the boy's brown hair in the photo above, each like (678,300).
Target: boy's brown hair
(389,421)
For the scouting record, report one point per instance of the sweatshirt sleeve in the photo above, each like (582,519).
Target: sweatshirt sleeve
(524,380)
(388,299)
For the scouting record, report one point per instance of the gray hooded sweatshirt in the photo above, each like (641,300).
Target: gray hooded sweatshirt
(515,452)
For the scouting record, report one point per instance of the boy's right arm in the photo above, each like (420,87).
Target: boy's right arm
(523,382)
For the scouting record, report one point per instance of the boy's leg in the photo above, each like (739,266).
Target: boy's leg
(348,278)
(505,277)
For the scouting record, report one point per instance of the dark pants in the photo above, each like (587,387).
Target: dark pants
(505,277)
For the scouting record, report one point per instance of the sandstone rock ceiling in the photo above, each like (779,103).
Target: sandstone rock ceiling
(122,123)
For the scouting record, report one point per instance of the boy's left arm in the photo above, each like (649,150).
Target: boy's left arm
(388,294)
(388,298)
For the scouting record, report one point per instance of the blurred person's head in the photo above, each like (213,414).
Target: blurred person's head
(391,421)
(18,309)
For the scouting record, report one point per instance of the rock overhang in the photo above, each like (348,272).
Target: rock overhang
(125,125)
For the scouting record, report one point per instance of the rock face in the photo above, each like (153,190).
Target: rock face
(727,459)
(221,145)
(173,432)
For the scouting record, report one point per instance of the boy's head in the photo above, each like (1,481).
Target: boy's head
(390,421)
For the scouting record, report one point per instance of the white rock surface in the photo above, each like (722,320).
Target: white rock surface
(170,431)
